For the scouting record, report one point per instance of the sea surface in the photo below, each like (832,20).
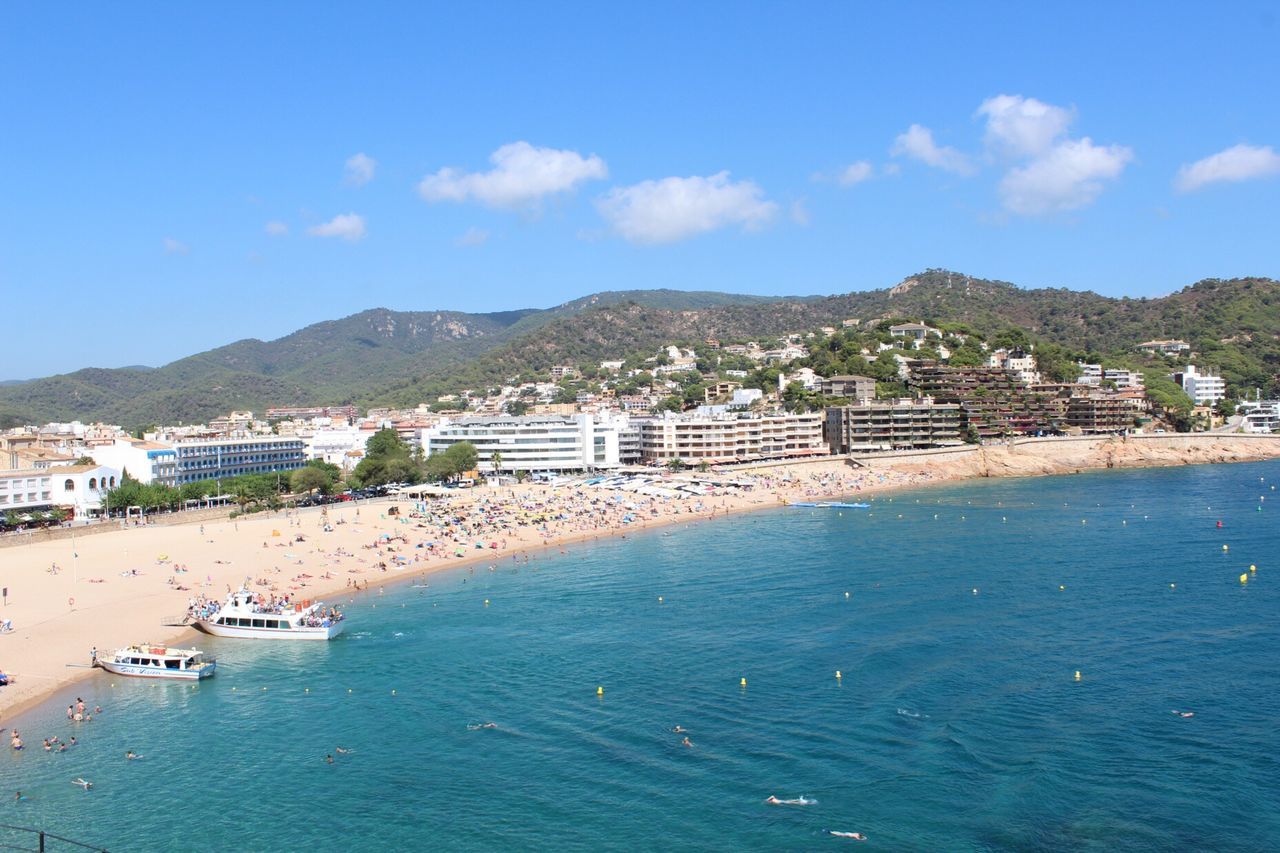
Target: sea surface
(957,617)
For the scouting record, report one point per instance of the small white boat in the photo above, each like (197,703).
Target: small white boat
(243,616)
(147,661)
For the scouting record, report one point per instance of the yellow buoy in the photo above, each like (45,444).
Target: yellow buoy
(348,689)
(599,691)
(846,595)
(1225,548)
(975,590)
(264,688)
(1084,521)
(232,689)
(1077,675)
(837,674)
(1061,587)
(1244,578)
(1252,567)
(1173,586)
(306,690)
(743,682)
(486,602)
(393,693)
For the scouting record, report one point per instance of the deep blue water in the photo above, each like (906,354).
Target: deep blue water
(957,724)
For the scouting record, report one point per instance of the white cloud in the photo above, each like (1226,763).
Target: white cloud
(521,175)
(917,143)
(800,213)
(276,228)
(347,226)
(359,170)
(1238,163)
(175,247)
(472,237)
(1023,127)
(1066,177)
(677,208)
(855,173)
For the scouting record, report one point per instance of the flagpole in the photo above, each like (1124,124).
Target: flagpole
(75,559)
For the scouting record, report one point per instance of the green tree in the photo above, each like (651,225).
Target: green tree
(308,479)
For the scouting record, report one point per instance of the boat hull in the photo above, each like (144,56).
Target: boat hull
(242,633)
(136,671)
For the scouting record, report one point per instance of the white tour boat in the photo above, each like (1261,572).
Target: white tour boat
(147,661)
(241,616)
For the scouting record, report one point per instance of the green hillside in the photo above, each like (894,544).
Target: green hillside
(382,357)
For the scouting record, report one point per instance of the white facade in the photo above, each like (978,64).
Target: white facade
(533,443)
(83,486)
(146,461)
(1262,416)
(230,457)
(1205,389)
(718,439)
(336,446)
(27,489)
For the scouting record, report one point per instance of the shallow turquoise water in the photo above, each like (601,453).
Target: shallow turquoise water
(957,724)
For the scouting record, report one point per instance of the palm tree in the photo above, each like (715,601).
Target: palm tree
(496,462)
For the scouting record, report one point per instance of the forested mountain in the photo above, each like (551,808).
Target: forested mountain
(400,358)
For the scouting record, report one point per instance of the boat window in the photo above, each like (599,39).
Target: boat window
(258,623)
(171,664)
(243,623)
(133,660)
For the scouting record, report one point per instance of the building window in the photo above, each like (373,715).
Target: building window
(69,486)
(93,483)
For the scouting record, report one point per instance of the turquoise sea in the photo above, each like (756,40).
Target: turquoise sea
(957,725)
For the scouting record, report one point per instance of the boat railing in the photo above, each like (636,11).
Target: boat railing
(178,621)
(41,840)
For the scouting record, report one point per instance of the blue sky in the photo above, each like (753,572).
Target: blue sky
(179,176)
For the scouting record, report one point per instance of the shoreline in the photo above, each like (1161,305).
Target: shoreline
(116,608)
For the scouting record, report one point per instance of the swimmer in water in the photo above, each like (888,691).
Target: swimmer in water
(132,756)
(856,836)
(342,750)
(328,759)
(679,730)
(1183,714)
(18,796)
(472,727)
(83,783)
(686,742)
(798,801)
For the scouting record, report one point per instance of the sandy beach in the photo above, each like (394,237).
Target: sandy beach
(120,587)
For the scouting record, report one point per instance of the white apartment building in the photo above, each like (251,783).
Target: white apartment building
(210,459)
(1262,416)
(1094,374)
(534,443)
(77,487)
(26,489)
(146,461)
(337,446)
(1206,388)
(731,438)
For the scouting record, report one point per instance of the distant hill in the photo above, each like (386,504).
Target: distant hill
(402,357)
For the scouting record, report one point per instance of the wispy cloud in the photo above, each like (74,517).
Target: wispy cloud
(472,237)
(175,247)
(521,176)
(855,173)
(1235,164)
(673,209)
(359,170)
(917,143)
(345,226)
(276,228)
